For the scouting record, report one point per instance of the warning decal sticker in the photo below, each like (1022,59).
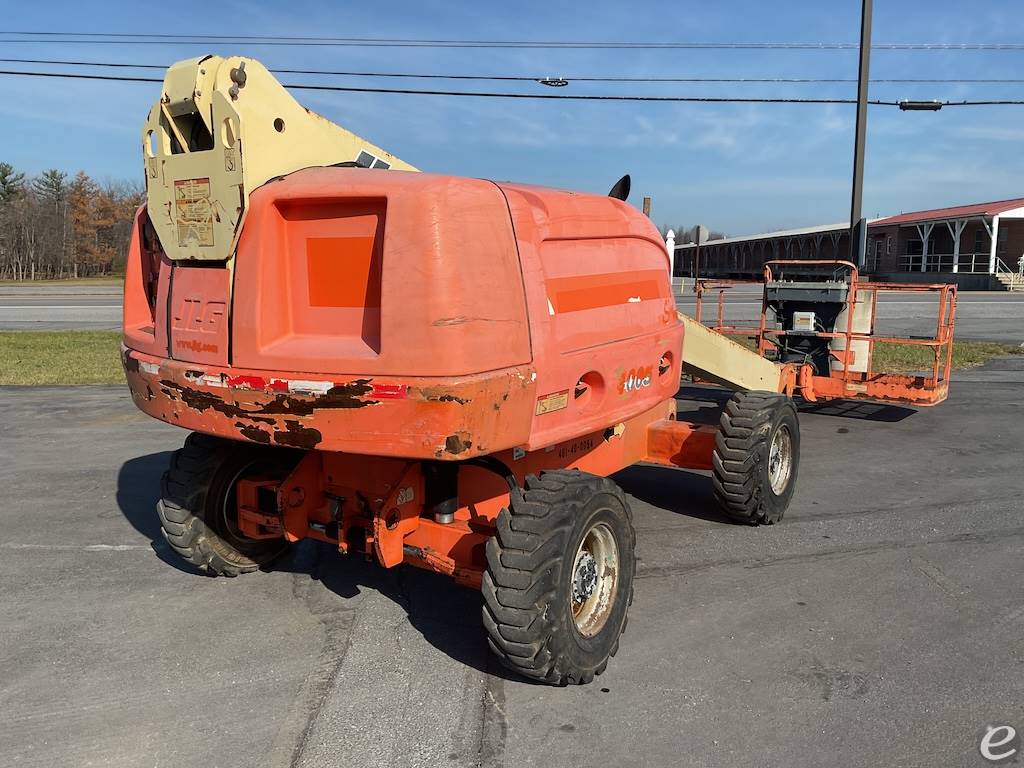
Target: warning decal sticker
(193,212)
(555,402)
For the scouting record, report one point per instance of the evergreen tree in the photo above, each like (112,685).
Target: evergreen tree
(51,186)
(12,184)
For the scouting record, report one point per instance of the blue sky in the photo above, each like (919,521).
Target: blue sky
(737,168)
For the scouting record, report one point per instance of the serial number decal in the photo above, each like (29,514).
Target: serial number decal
(583,445)
(554,402)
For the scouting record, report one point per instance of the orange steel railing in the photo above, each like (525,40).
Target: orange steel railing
(841,382)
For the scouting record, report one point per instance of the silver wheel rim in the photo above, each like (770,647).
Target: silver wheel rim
(780,460)
(594,578)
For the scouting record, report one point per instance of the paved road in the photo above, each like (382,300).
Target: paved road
(879,624)
(60,307)
(980,315)
(985,316)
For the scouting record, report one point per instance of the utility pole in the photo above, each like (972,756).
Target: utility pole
(859,225)
(701,238)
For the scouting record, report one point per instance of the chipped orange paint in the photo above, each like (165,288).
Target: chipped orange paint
(417,418)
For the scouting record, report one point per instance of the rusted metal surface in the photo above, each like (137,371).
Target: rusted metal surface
(417,417)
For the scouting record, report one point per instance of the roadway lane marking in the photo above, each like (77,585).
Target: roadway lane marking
(70,306)
(83,548)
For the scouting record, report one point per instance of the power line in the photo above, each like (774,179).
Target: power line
(569,78)
(410,91)
(128,38)
(546,96)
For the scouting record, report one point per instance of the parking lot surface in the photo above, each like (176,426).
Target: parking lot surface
(881,623)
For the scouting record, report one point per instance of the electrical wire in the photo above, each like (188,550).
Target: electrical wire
(546,96)
(486,94)
(569,78)
(130,38)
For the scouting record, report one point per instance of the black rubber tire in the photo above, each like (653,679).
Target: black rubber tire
(527,585)
(740,474)
(193,491)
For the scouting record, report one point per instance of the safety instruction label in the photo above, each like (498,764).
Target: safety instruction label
(554,402)
(193,212)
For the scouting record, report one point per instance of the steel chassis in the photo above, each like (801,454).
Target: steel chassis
(438,515)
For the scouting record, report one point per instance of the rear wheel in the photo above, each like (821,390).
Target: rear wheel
(197,508)
(756,457)
(559,577)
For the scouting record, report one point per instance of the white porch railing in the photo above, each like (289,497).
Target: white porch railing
(972,263)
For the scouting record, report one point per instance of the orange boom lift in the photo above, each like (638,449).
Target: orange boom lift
(424,369)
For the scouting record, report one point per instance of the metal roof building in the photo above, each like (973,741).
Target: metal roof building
(980,245)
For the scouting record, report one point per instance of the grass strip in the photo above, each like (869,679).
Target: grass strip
(60,357)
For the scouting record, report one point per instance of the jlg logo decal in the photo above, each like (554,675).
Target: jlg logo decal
(636,378)
(195,315)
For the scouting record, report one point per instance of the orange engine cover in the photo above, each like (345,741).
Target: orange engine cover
(405,314)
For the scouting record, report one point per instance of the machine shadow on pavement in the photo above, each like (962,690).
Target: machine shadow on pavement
(680,491)
(852,409)
(446,614)
(138,489)
(689,394)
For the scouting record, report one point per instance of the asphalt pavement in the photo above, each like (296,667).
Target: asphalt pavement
(60,307)
(880,623)
(981,316)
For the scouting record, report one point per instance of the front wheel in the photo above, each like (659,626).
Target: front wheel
(559,577)
(756,457)
(197,507)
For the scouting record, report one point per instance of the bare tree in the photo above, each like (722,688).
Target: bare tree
(51,227)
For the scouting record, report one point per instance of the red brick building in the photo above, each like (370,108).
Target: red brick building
(978,246)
